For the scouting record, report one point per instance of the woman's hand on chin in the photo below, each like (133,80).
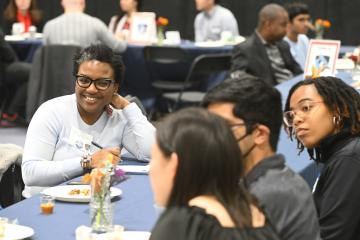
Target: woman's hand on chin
(119,102)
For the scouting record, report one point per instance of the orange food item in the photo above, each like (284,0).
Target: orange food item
(47,208)
(86,178)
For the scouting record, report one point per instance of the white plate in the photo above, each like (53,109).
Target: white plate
(15,232)
(136,235)
(61,193)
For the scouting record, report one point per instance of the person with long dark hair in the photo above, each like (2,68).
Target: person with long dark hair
(323,115)
(23,11)
(120,25)
(195,172)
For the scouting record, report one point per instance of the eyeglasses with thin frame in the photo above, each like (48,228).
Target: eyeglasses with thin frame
(302,110)
(100,84)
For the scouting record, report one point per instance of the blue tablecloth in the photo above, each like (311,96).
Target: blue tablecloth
(135,211)
(25,50)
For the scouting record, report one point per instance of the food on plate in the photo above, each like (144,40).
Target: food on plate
(84,192)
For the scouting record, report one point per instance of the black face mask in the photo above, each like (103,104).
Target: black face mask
(244,155)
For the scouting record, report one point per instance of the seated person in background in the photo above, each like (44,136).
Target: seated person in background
(120,26)
(323,115)
(22,11)
(96,111)
(253,109)
(264,54)
(15,76)
(77,28)
(194,173)
(296,31)
(213,20)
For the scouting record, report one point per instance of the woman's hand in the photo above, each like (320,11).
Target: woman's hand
(100,156)
(119,102)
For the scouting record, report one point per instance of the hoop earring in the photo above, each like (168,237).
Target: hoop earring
(337,120)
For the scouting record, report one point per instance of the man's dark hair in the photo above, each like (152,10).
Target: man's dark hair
(101,53)
(296,8)
(217,1)
(341,99)
(256,102)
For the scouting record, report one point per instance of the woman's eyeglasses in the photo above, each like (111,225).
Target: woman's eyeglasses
(100,84)
(302,110)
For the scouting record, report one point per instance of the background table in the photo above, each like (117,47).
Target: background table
(134,210)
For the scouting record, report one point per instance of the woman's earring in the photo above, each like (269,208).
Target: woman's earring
(336,120)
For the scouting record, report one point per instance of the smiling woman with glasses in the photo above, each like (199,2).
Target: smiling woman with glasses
(56,146)
(323,114)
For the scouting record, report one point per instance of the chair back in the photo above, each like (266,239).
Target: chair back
(165,55)
(166,66)
(207,64)
(51,75)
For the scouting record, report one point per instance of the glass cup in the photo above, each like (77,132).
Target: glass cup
(3,222)
(47,204)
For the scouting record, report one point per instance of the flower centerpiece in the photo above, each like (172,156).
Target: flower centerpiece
(100,202)
(161,23)
(320,25)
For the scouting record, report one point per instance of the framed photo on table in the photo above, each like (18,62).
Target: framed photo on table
(321,58)
(143,28)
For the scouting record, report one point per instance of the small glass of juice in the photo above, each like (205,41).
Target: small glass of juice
(47,204)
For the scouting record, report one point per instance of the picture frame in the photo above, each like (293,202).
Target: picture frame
(321,58)
(143,28)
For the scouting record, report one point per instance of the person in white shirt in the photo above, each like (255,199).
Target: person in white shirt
(74,27)
(95,111)
(297,29)
(213,20)
(120,25)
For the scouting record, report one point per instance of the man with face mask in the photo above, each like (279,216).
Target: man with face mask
(264,54)
(253,110)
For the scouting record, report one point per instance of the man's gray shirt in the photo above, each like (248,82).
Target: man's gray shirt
(285,197)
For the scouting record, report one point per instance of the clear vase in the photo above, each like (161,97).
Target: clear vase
(319,33)
(160,36)
(101,209)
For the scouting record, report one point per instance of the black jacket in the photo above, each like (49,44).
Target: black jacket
(250,56)
(337,193)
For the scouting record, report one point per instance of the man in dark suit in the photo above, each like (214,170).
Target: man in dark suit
(264,54)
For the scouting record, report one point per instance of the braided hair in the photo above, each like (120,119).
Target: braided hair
(342,100)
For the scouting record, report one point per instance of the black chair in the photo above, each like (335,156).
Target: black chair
(11,186)
(201,70)
(167,68)
(51,75)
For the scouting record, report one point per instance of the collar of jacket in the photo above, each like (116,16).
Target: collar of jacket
(331,144)
(277,161)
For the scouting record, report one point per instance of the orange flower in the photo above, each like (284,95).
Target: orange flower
(161,21)
(96,179)
(326,23)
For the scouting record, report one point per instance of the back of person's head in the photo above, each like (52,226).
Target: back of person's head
(296,8)
(73,5)
(11,10)
(217,1)
(101,53)
(255,102)
(209,161)
(342,101)
(269,13)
